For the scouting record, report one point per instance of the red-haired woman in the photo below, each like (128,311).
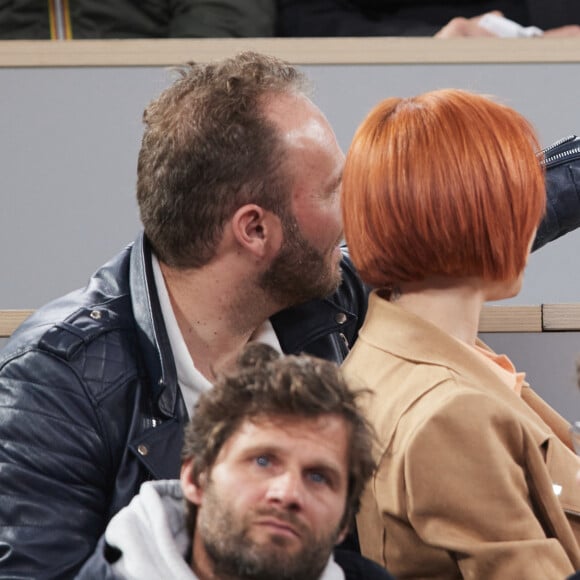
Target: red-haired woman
(442,195)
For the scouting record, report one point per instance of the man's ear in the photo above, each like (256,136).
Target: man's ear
(257,230)
(191,491)
(343,533)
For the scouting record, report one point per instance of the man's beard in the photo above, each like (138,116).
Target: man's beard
(299,272)
(233,553)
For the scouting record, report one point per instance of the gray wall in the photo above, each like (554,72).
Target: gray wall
(69,140)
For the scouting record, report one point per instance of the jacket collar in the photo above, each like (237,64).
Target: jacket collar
(415,339)
(412,338)
(151,331)
(298,326)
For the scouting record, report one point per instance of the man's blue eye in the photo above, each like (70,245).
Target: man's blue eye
(317,477)
(262,461)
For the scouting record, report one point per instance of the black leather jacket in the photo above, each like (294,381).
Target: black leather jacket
(89,403)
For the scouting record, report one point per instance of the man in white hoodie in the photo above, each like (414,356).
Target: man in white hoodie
(274,462)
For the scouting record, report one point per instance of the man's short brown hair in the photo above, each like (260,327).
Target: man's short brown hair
(207,150)
(269,385)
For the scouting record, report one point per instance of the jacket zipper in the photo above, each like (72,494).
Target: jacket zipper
(562,156)
(552,155)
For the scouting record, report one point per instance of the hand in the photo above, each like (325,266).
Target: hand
(569,30)
(465,27)
(462,27)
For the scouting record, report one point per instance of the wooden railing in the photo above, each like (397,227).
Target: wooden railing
(11,319)
(538,318)
(304,51)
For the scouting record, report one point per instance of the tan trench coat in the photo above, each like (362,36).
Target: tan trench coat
(465,485)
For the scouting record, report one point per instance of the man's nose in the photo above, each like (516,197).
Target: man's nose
(286,489)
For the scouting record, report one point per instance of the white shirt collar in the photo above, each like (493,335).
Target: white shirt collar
(191,382)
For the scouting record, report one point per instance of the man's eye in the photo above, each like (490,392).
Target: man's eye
(317,477)
(263,461)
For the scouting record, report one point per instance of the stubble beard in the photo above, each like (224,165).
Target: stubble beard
(299,272)
(235,555)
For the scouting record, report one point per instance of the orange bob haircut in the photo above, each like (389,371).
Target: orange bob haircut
(447,183)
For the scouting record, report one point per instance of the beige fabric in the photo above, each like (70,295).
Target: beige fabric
(514,378)
(465,482)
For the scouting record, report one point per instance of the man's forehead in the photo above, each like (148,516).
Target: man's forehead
(326,435)
(287,423)
(292,112)
(308,139)
(292,421)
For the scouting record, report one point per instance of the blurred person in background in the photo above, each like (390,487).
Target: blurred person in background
(70,19)
(420,17)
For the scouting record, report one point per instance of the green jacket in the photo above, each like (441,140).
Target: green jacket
(37,19)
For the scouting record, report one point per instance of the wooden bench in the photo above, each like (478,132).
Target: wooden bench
(11,319)
(537,318)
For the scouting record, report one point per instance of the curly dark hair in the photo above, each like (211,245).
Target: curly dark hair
(208,149)
(268,384)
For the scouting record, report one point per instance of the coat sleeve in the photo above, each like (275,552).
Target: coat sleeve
(222,18)
(55,468)
(562,196)
(468,494)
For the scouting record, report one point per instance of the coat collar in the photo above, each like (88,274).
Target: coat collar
(392,329)
(151,331)
(415,339)
(301,325)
